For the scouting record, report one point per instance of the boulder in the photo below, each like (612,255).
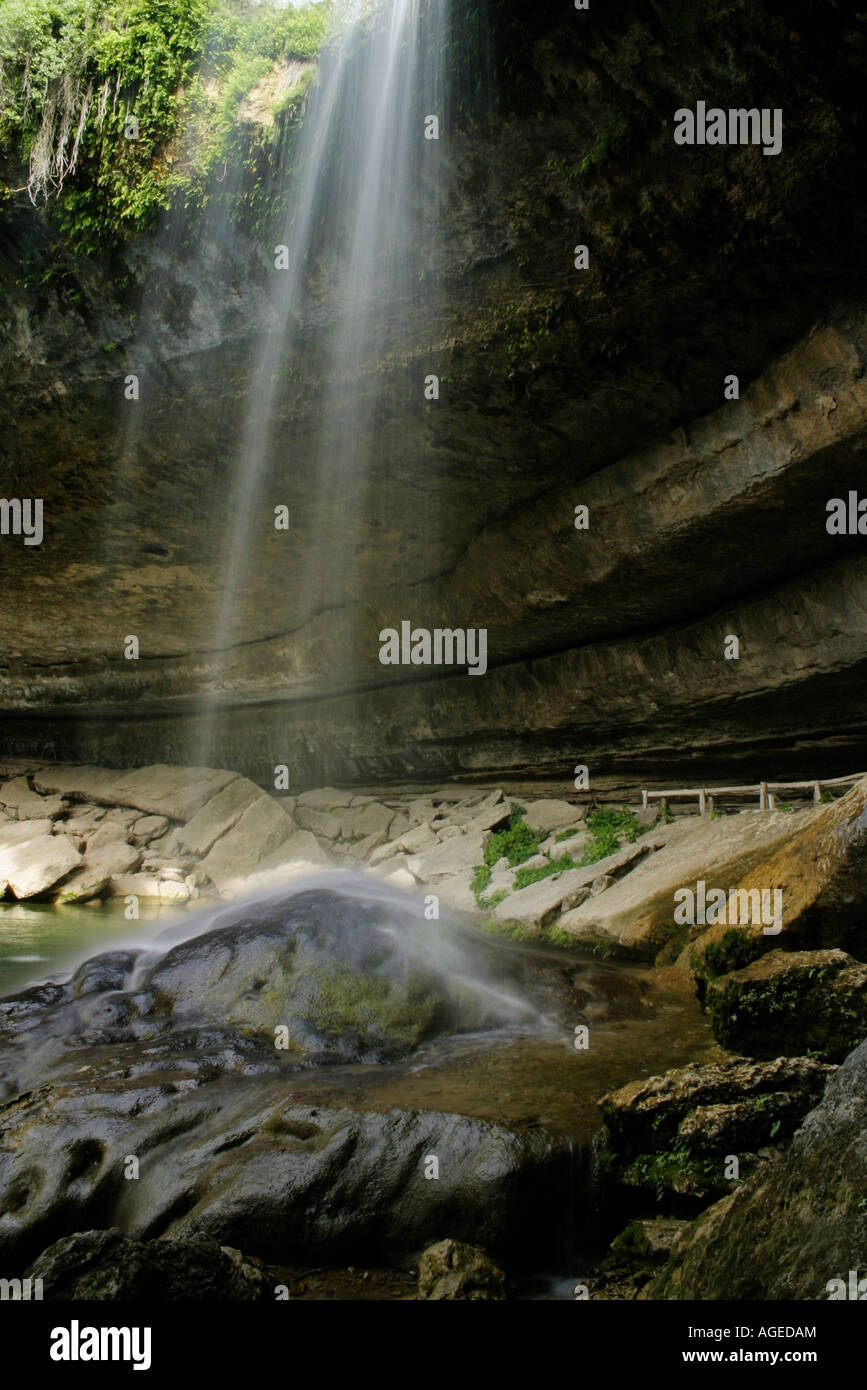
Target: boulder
(14,833)
(300,851)
(550,814)
(159,790)
(110,832)
(81,825)
(99,866)
(323,823)
(673,1132)
(138,885)
(108,1266)
(121,815)
(600,884)
(148,828)
(35,865)
(451,857)
(451,1269)
(324,799)
(573,845)
(798,1223)
(488,818)
(260,830)
(366,846)
(173,890)
(790,1002)
(79,782)
(371,819)
(172,1057)
(220,814)
(16,795)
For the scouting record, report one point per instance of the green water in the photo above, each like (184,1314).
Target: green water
(39,939)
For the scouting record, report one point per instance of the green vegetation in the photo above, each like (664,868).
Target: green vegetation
(524,877)
(674,1170)
(607,828)
(121,107)
(732,952)
(517,843)
(632,1240)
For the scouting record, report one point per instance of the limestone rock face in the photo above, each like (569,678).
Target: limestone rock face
(822,873)
(608,382)
(797,1223)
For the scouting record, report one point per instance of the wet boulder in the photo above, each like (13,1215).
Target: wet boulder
(798,1224)
(108,1265)
(791,1002)
(233,1157)
(675,1133)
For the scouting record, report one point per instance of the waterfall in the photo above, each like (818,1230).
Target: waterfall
(357,260)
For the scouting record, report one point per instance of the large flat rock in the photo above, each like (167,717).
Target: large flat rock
(636,914)
(257,833)
(550,814)
(458,855)
(160,790)
(35,865)
(220,814)
(16,795)
(17,831)
(539,903)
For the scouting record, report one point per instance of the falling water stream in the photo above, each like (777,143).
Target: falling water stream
(362,203)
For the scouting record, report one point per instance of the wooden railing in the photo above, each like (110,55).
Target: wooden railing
(766,791)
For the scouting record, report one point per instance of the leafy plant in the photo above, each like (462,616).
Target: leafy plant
(516,843)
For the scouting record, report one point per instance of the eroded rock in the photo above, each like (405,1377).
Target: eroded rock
(797,1223)
(791,1002)
(451,1269)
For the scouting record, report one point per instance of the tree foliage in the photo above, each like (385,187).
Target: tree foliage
(73,73)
